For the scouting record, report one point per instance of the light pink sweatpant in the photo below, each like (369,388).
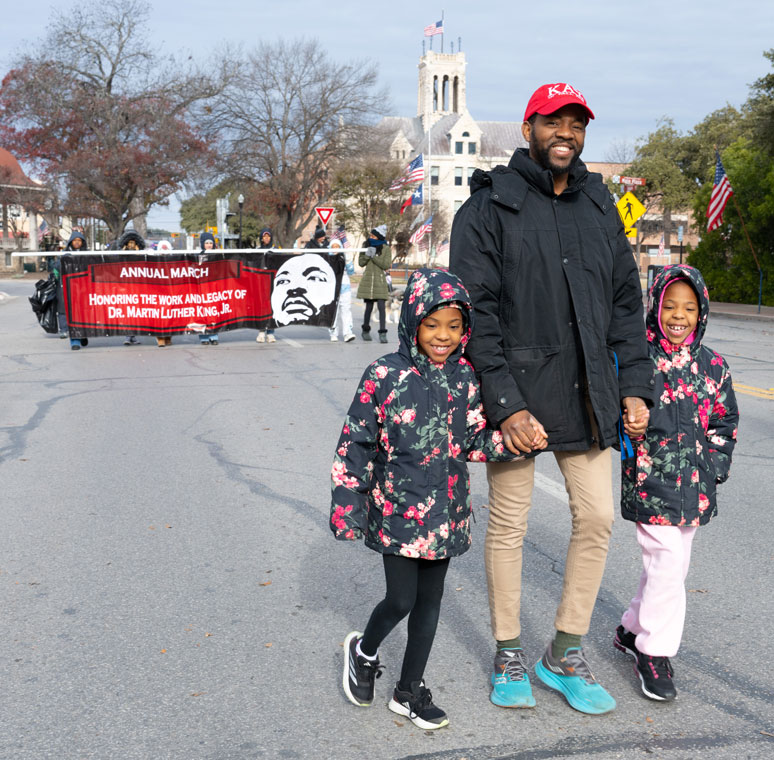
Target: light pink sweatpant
(657,613)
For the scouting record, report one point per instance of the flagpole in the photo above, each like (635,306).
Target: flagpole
(442,31)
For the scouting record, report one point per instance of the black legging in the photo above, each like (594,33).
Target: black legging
(414,586)
(369,307)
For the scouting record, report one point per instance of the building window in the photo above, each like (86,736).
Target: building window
(472,148)
(434,206)
(470,173)
(434,172)
(457,205)
(458,147)
(458,176)
(8,260)
(466,134)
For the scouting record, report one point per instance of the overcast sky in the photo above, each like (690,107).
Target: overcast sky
(634,62)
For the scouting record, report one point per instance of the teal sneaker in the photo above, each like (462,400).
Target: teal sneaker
(510,682)
(572,676)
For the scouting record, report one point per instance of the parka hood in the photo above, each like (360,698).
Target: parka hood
(69,246)
(660,283)
(426,290)
(131,235)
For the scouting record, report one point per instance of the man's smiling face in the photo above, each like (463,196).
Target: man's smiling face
(556,141)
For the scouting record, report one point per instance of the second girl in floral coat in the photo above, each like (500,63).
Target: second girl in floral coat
(669,487)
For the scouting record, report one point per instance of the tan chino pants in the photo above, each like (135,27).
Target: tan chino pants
(588,480)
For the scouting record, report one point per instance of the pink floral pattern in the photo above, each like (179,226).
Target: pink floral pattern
(399,477)
(687,449)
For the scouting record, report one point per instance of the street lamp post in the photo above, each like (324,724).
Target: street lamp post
(241,202)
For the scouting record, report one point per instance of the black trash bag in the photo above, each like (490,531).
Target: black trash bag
(44,304)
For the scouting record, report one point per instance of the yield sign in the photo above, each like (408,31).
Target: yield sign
(325,214)
(630,209)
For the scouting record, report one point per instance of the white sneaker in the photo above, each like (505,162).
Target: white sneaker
(349,337)
(271,339)
(261,337)
(334,339)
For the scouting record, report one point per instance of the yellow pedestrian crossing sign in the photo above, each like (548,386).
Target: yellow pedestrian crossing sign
(630,209)
(631,232)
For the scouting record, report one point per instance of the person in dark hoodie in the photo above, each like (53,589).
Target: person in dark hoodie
(132,241)
(77,242)
(559,349)
(669,484)
(208,243)
(400,480)
(266,243)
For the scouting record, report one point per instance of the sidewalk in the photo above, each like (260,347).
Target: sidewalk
(741,311)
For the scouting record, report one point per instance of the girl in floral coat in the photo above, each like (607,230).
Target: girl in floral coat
(669,486)
(400,480)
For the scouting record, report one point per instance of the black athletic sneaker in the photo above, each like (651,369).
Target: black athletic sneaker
(417,705)
(359,673)
(656,677)
(624,641)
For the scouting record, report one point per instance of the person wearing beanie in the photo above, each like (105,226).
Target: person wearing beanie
(208,243)
(560,350)
(373,287)
(319,239)
(266,243)
(132,241)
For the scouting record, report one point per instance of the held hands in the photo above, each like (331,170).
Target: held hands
(370,252)
(635,417)
(522,433)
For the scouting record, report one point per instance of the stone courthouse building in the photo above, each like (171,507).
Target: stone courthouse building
(454,144)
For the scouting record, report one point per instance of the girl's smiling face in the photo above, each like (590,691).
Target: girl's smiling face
(440,333)
(679,313)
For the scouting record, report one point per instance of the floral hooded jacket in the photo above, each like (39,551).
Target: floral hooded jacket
(400,476)
(692,430)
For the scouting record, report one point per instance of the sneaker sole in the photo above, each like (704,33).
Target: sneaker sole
(553,681)
(650,694)
(401,709)
(345,681)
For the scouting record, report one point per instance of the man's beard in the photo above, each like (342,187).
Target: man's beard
(544,159)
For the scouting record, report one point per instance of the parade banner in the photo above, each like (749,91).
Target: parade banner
(171,294)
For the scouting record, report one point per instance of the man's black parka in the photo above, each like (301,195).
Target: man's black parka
(556,293)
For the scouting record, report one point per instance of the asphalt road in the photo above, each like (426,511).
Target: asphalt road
(169,587)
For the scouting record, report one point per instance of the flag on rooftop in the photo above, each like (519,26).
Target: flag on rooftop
(422,230)
(436,28)
(721,192)
(414,172)
(415,199)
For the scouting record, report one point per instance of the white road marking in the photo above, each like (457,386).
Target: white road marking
(551,487)
(292,342)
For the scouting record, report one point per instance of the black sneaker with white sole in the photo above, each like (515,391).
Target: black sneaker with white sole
(360,673)
(656,677)
(417,705)
(624,641)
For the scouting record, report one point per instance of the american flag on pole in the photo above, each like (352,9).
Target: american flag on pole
(661,247)
(341,235)
(721,192)
(436,28)
(443,248)
(414,172)
(421,231)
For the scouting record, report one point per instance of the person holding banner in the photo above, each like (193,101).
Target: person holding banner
(76,242)
(207,242)
(131,241)
(373,288)
(267,242)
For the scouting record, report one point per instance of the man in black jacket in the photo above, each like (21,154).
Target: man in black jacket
(559,347)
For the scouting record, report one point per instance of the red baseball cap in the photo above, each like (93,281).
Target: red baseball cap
(551,97)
